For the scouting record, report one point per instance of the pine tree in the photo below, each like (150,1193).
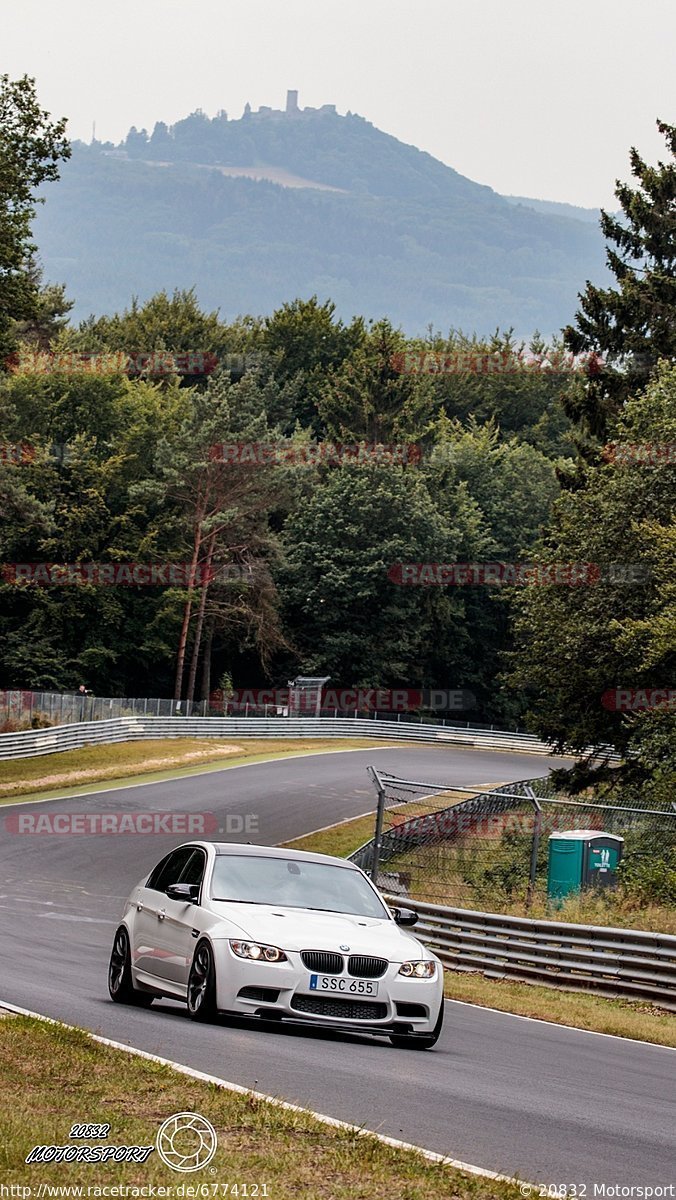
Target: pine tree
(631,326)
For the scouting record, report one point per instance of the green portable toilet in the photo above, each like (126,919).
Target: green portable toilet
(582,858)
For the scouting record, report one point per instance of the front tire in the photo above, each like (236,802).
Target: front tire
(201,997)
(120,982)
(420,1041)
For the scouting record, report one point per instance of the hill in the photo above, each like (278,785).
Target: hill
(555,208)
(259,210)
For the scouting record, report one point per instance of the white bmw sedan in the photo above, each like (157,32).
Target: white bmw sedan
(278,934)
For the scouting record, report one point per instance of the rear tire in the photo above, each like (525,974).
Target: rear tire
(419,1041)
(120,982)
(201,997)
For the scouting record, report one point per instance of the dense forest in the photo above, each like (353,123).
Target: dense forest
(303,469)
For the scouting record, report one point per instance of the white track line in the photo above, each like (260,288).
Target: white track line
(618,1037)
(430,1155)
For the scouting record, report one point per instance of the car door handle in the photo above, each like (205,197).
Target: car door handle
(161,914)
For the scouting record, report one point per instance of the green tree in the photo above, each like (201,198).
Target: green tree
(577,645)
(76,505)
(348,617)
(631,325)
(512,487)
(369,398)
(305,340)
(518,385)
(31,147)
(221,519)
(175,324)
(49,317)
(512,482)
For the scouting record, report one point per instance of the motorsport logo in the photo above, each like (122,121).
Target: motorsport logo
(185,1142)
(81,1152)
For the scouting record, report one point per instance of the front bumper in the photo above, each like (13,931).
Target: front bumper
(282,990)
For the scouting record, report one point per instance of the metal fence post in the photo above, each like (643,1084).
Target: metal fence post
(378,835)
(537,831)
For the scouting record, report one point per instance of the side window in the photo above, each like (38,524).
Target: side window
(169,870)
(193,871)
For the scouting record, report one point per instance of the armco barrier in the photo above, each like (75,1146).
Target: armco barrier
(124,729)
(619,962)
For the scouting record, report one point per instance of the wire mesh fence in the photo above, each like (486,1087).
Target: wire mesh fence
(489,850)
(247,709)
(25,710)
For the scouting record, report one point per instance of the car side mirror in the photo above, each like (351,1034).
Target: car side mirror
(187,892)
(405,916)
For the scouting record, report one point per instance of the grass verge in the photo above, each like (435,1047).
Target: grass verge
(583,1010)
(57,1077)
(147,761)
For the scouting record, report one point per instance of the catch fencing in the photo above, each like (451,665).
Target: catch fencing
(32,742)
(70,708)
(488,849)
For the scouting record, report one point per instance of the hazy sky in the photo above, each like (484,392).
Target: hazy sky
(535,97)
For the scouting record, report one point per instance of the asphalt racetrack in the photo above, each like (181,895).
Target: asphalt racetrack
(550,1104)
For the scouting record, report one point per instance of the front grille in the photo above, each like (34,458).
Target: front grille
(333,1006)
(411,1010)
(323,961)
(267,995)
(366,968)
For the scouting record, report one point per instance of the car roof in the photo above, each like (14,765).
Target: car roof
(223,848)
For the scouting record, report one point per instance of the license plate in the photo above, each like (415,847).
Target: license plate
(347,987)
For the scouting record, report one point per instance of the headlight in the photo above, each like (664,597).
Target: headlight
(419,969)
(257,953)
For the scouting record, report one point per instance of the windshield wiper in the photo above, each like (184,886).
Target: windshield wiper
(232,900)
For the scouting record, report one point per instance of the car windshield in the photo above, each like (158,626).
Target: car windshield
(294,883)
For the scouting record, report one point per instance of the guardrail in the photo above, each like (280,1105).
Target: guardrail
(619,962)
(35,742)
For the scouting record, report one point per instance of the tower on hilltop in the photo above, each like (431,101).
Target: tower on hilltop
(292,103)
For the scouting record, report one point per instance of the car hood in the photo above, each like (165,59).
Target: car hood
(304,929)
